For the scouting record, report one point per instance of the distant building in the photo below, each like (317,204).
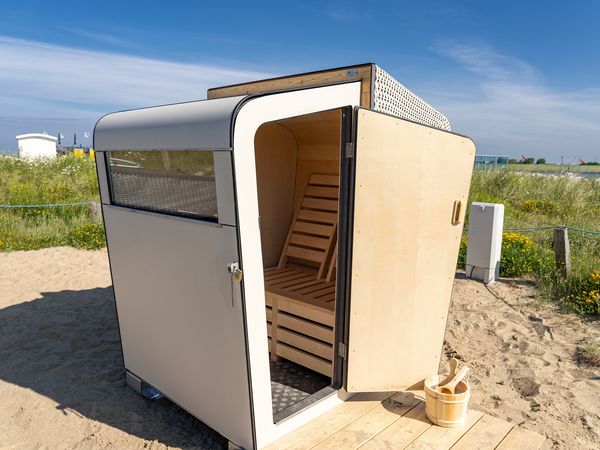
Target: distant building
(490,162)
(36,145)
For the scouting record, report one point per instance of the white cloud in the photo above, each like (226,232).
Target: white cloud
(510,109)
(40,79)
(42,83)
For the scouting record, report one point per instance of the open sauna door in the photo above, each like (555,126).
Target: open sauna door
(410,194)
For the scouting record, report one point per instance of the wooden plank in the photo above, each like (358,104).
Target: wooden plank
(274,275)
(325,292)
(305,343)
(323,285)
(521,439)
(313,228)
(316,313)
(360,73)
(359,431)
(300,325)
(269,299)
(486,434)
(444,438)
(304,359)
(307,284)
(403,431)
(322,192)
(269,314)
(403,267)
(324,180)
(328,423)
(310,241)
(320,203)
(317,216)
(273,331)
(291,283)
(305,253)
(291,276)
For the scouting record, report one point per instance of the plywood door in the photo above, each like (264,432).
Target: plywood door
(406,238)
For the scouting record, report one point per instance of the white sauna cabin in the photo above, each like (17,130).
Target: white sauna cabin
(282,245)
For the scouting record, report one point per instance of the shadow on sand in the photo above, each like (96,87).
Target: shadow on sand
(65,346)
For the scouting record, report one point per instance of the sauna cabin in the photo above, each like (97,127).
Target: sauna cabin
(282,245)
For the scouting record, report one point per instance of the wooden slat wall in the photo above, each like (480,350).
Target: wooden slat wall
(312,79)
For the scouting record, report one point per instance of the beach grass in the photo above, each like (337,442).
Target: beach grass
(532,200)
(66,179)
(572,168)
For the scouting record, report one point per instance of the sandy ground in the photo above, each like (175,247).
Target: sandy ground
(62,383)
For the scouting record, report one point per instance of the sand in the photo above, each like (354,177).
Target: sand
(62,383)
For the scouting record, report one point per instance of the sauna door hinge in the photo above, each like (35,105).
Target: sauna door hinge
(349,149)
(342,350)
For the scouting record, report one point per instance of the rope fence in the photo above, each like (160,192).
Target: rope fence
(553,227)
(95,207)
(561,244)
(50,205)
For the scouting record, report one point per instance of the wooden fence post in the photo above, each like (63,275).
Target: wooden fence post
(562,251)
(96,211)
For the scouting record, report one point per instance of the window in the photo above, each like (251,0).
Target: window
(178,182)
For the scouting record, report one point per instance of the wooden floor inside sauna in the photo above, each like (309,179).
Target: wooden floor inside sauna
(398,421)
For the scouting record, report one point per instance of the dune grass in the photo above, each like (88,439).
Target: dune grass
(555,168)
(533,200)
(66,179)
(530,200)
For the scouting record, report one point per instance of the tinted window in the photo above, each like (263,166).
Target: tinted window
(180,182)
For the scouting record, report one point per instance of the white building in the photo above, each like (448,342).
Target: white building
(36,145)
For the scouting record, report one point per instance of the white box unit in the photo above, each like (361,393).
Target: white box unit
(486,222)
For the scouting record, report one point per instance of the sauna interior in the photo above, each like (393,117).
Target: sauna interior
(297,169)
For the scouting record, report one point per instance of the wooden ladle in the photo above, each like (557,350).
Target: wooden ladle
(448,388)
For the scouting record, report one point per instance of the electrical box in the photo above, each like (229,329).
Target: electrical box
(486,222)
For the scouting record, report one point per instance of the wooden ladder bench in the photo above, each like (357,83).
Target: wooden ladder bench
(300,290)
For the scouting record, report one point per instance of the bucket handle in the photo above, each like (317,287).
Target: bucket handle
(449,387)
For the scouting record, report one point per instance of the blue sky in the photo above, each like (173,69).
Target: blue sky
(519,77)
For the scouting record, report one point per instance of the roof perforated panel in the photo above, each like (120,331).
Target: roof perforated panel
(391,97)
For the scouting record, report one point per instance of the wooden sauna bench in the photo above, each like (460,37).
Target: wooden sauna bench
(300,290)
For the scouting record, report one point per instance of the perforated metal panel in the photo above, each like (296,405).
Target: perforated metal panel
(165,192)
(391,97)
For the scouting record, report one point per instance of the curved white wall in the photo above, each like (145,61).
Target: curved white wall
(251,116)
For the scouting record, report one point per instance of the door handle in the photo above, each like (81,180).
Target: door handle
(456,212)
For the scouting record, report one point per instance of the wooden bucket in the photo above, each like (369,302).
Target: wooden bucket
(446,410)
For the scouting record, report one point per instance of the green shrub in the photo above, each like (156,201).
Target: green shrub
(583,293)
(462,253)
(65,179)
(522,256)
(538,206)
(88,236)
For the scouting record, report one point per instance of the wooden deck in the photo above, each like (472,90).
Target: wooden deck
(398,421)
